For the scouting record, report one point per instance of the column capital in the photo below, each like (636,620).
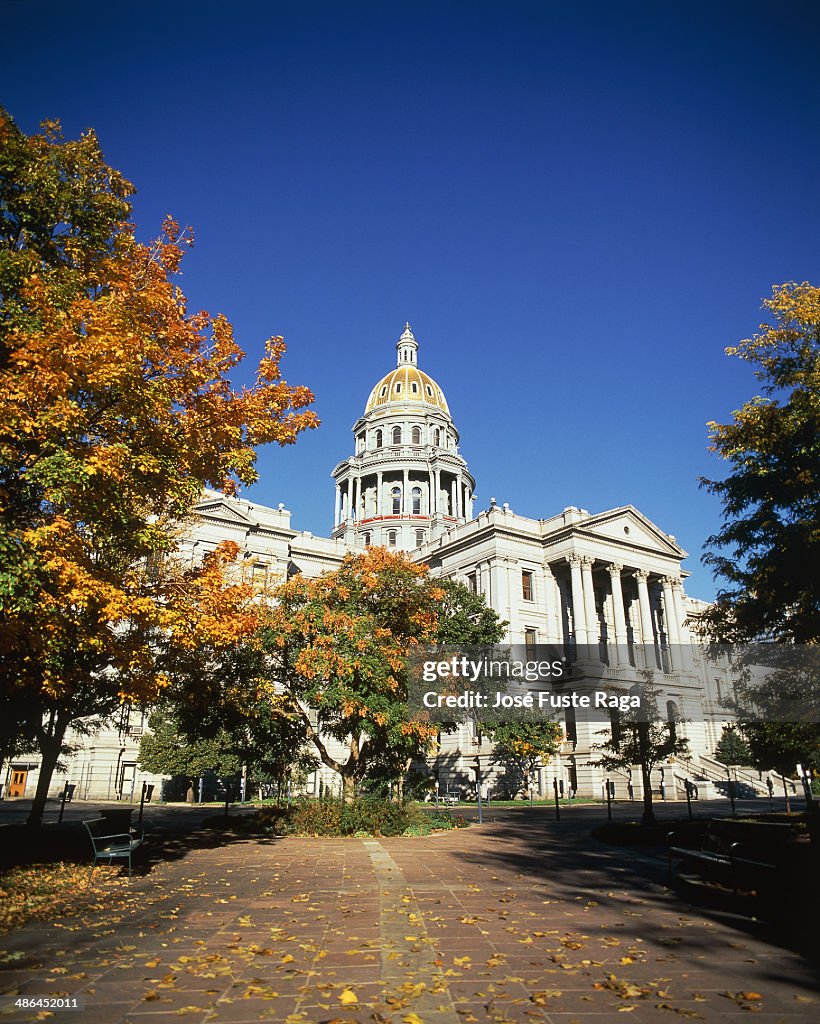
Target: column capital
(615,568)
(573,559)
(546,568)
(641,574)
(587,560)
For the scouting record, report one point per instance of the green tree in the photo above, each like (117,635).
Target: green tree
(166,750)
(768,548)
(641,737)
(733,748)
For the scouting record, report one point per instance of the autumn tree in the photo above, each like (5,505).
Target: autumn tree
(341,642)
(768,549)
(118,409)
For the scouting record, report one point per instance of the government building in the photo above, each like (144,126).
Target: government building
(606,588)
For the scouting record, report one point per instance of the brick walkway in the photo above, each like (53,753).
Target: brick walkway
(520,920)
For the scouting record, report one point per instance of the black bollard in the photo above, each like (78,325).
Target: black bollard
(608,801)
(63,797)
(557,805)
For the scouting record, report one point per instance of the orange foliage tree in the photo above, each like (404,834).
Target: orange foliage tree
(118,409)
(340,644)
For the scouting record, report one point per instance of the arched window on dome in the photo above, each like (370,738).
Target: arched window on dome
(377,439)
(416,497)
(395,496)
(416,435)
(396,435)
(414,387)
(383,391)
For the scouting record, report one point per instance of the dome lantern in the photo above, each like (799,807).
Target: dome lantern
(407,348)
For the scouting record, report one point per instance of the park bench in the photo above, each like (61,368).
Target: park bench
(108,844)
(749,852)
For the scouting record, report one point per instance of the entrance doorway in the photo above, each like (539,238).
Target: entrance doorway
(17,782)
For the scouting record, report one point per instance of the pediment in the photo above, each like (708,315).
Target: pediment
(221,510)
(629,526)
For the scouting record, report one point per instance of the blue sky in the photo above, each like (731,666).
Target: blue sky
(576,206)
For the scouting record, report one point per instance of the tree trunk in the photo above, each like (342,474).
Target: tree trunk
(51,743)
(348,788)
(648,817)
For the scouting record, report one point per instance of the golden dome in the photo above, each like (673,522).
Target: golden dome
(407,384)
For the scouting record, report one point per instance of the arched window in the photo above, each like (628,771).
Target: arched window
(391,539)
(378,438)
(416,496)
(367,540)
(396,435)
(395,496)
(416,435)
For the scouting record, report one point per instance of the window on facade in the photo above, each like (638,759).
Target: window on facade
(367,540)
(530,641)
(472,583)
(395,496)
(615,727)
(378,438)
(391,538)
(527,585)
(416,495)
(396,435)
(672,718)
(437,437)
(419,538)
(416,435)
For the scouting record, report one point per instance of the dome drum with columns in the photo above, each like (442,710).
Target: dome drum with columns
(406,482)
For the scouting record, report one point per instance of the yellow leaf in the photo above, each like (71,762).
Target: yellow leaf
(412,1018)
(348,996)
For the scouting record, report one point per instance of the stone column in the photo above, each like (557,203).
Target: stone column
(579,622)
(589,601)
(618,609)
(469,504)
(357,490)
(454,498)
(647,635)
(337,512)
(549,603)
(405,493)
(683,630)
(671,618)
(379,492)
(436,484)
